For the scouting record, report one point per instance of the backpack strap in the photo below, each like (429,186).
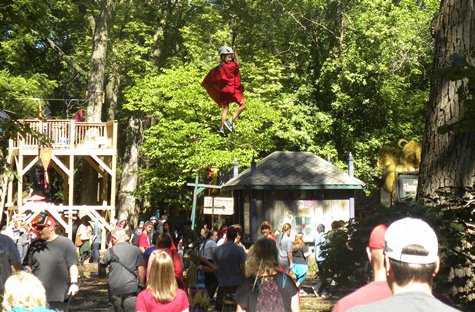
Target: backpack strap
(284,280)
(115,258)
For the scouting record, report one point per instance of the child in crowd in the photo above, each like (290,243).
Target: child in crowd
(300,253)
(195,281)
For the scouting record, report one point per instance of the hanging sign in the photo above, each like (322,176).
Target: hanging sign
(219,205)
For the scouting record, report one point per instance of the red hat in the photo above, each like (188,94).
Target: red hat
(46,221)
(376,239)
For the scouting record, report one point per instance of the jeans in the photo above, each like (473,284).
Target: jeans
(62,306)
(211,283)
(95,252)
(124,303)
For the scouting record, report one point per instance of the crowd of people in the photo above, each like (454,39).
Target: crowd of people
(154,267)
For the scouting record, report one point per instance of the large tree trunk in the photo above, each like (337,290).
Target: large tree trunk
(448,160)
(95,91)
(112,92)
(128,204)
(95,86)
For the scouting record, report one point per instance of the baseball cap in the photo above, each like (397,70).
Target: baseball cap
(411,231)
(46,220)
(149,223)
(376,239)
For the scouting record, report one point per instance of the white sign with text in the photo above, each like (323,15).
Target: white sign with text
(219,205)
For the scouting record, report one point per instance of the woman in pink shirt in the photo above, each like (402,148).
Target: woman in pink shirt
(162,293)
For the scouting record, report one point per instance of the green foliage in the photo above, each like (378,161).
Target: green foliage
(330,77)
(453,221)
(17,90)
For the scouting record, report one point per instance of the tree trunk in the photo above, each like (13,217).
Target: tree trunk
(129,180)
(112,92)
(95,86)
(95,93)
(448,160)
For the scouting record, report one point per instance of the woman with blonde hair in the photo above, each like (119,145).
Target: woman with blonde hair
(24,291)
(284,246)
(162,293)
(300,253)
(266,288)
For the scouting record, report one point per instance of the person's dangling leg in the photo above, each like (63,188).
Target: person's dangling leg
(239,110)
(224,114)
(230,123)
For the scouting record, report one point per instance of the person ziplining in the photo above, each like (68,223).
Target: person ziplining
(223,84)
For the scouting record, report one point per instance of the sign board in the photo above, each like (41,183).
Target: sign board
(219,205)
(406,187)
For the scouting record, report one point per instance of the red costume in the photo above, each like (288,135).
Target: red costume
(223,84)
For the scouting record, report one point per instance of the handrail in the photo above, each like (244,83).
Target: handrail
(65,133)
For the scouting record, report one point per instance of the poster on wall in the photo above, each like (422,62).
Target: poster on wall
(307,215)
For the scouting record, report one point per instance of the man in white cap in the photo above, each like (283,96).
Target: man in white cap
(411,262)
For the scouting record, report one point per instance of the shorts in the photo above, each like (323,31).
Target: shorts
(300,271)
(226,98)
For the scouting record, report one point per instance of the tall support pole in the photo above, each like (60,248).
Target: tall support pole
(351,174)
(196,191)
(198,188)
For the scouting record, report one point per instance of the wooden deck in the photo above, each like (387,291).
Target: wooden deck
(68,137)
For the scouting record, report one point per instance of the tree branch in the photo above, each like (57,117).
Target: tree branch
(66,58)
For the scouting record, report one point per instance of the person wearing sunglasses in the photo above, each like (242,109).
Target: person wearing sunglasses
(53,260)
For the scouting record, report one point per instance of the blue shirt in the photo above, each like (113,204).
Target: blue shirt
(230,258)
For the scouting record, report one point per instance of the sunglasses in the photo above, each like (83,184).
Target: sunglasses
(41,227)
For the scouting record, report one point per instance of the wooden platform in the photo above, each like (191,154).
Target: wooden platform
(69,140)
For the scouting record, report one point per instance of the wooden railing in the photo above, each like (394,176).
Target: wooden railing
(68,133)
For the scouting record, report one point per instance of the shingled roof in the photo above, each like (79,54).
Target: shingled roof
(293,170)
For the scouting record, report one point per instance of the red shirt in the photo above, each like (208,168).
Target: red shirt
(146,302)
(372,292)
(144,241)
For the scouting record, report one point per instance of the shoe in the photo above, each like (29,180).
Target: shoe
(326,294)
(229,124)
(315,291)
(222,132)
(302,292)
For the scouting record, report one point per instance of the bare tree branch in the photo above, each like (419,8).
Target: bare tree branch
(66,58)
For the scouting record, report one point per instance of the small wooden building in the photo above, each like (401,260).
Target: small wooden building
(295,187)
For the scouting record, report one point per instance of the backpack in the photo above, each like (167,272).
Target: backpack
(135,238)
(270,296)
(5,267)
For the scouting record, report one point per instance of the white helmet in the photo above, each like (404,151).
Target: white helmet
(225,50)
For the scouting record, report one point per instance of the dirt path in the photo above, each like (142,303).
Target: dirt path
(93,295)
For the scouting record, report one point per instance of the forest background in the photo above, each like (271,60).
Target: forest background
(326,76)
(330,77)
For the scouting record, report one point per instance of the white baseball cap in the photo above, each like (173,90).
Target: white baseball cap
(410,231)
